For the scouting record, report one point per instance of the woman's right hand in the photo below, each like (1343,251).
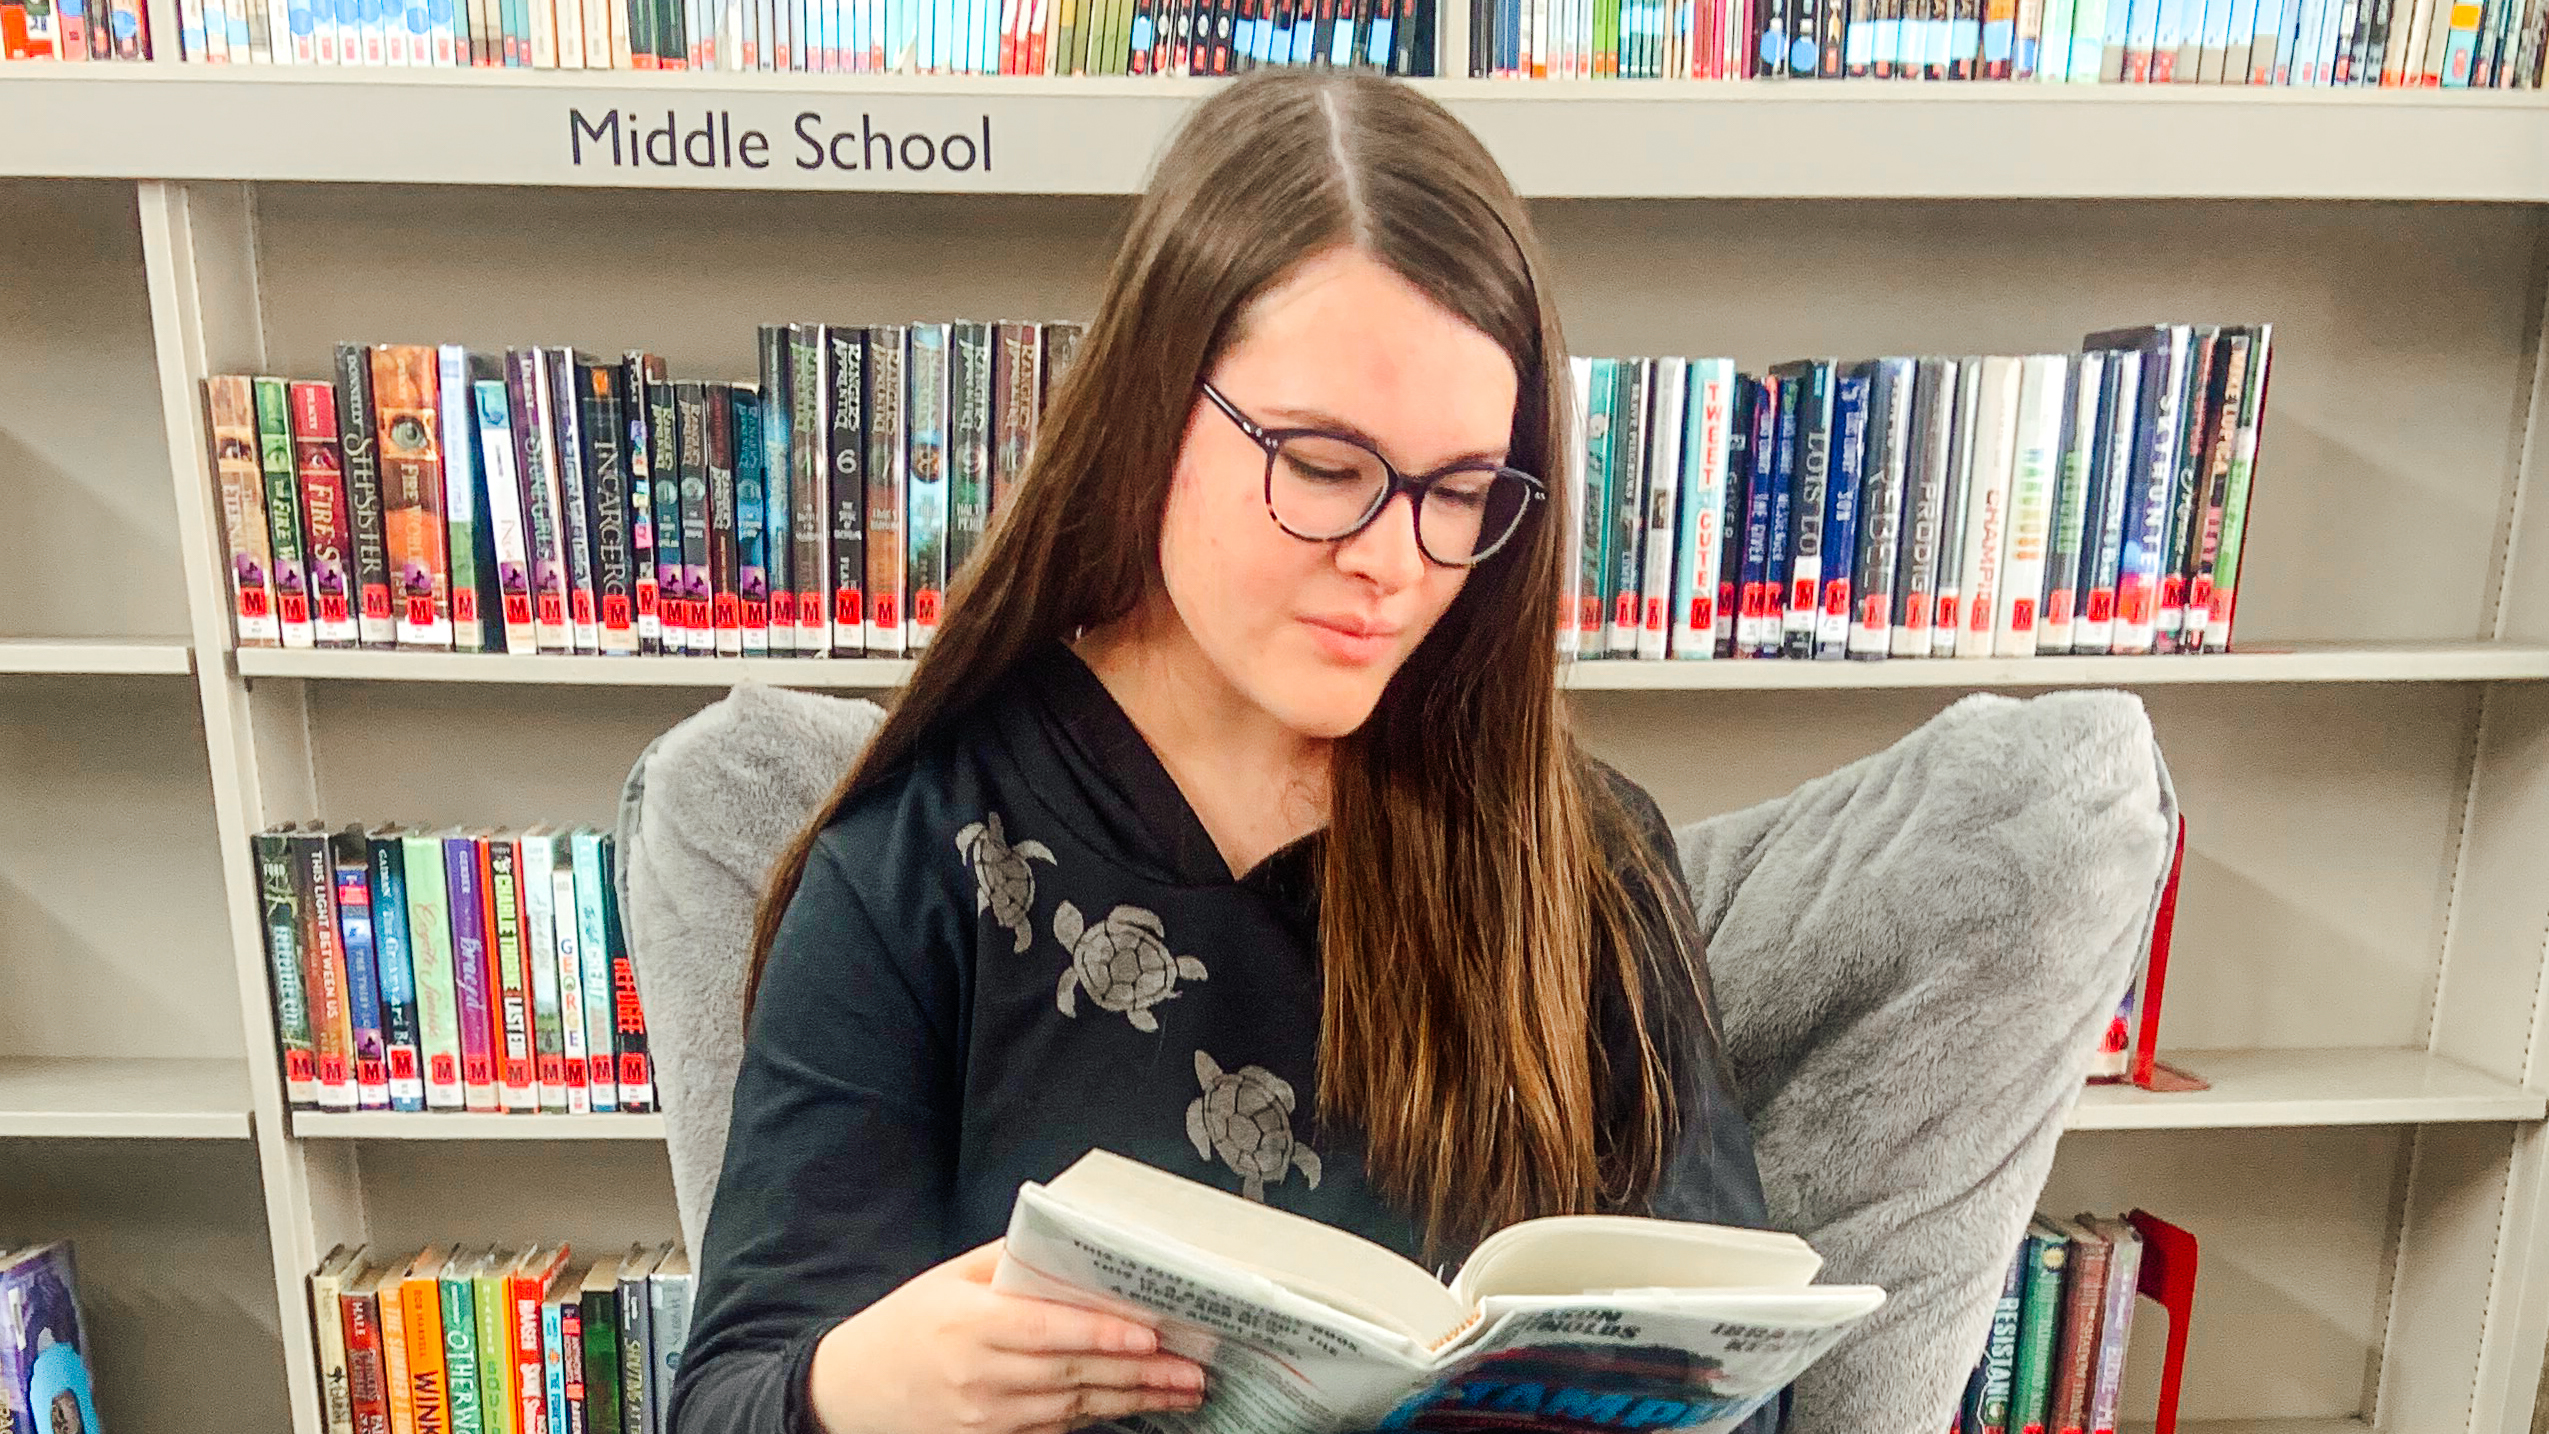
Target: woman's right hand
(947,1354)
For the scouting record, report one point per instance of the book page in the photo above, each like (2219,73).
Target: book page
(1276,1362)
(1574,1254)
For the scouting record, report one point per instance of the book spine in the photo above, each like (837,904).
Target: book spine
(280,901)
(1811,489)
(428,1378)
(580,905)
(692,401)
(1841,490)
(394,950)
(778,476)
(1955,510)
(2163,377)
(635,1366)
(1925,501)
(1594,540)
(554,385)
(1709,414)
(2083,1300)
(396,1385)
(1570,508)
(504,516)
(717,459)
(239,475)
(663,469)
(969,440)
(353,879)
(327,1320)
(925,512)
(2041,394)
(406,423)
(320,466)
(460,1352)
(527,1345)
(1017,385)
(1629,428)
(599,1309)
(2252,415)
(885,491)
(2000,1351)
(2196,404)
(553,1367)
(636,1067)
(603,427)
(512,990)
(290,571)
(429,931)
(2073,474)
(471,984)
(366,1379)
(1741,445)
(537,862)
(496,1408)
(2115,1325)
(536,466)
(1660,502)
(809,472)
(457,425)
(559,911)
(2112,490)
(1886,472)
(1779,546)
(2031,1376)
(752,518)
(1987,510)
(2221,444)
(570,1350)
(637,457)
(668,1322)
(323,974)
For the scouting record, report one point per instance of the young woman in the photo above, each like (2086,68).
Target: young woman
(1238,774)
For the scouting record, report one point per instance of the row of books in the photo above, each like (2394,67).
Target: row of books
(541,501)
(46,1382)
(451,970)
(2054,1362)
(74,30)
(2479,44)
(963,37)
(499,1341)
(2090,502)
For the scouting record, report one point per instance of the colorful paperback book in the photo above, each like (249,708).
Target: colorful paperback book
(601,431)
(778,430)
(538,862)
(456,408)
(535,464)
(320,467)
(1811,451)
(394,951)
(491,1288)
(565,932)
(230,407)
(2252,406)
(559,396)
(323,970)
(407,421)
(1886,476)
(504,515)
(637,454)
(458,1292)
(969,443)
(2110,497)
(2115,1319)
(724,544)
(598,1307)
(636,1068)
(926,505)
(841,382)
(2042,390)
(279,903)
(593,953)
(283,511)
(429,930)
(2162,352)
(752,516)
(1634,378)
(2221,443)
(1593,549)
(1840,537)
(809,468)
(1707,452)
(2076,1349)
(2039,1326)
(1779,531)
(472,973)
(692,407)
(663,469)
(1987,503)
(45,1352)
(353,875)
(501,866)
(2198,404)
(421,1320)
(1671,377)
(886,552)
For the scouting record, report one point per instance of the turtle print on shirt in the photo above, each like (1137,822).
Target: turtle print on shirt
(1004,884)
(1123,961)
(1245,1117)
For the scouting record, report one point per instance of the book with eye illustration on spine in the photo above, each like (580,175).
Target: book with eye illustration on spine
(1581,1321)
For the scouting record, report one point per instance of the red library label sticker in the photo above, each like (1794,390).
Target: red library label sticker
(646,597)
(1588,616)
(2101,604)
(581,604)
(783,608)
(2173,590)
(2022,614)
(729,612)
(443,1070)
(464,604)
(1872,612)
(2200,593)
(517,1072)
(331,1070)
(1801,595)
(1624,610)
(376,603)
(1836,598)
(887,612)
(371,1072)
(615,613)
(2133,605)
(756,614)
(480,1070)
(296,608)
(846,607)
(1702,612)
(925,607)
(402,1064)
(1655,614)
(300,1066)
(552,1070)
(517,609)
(1916,617)
(601,1067)
(253,603)
(2058,606)
(632,1069)
(333,608)
(552,610)
(1947,611)
(420,611)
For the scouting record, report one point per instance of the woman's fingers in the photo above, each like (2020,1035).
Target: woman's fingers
(1071,1408)
(1032,1326)
(1036,1373)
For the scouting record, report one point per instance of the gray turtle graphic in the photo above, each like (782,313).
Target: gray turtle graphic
(1003,882)
(1123,961)
(1245,1116)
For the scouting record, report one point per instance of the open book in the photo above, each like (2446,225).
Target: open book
(1576,1322)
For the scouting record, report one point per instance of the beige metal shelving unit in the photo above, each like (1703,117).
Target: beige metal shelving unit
(2360,957)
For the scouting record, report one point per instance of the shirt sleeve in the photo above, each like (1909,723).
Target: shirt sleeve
(837,1166)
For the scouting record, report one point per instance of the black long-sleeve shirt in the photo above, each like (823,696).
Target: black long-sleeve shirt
(1023,947)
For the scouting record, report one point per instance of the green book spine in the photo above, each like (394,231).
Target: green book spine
(2039,1319)
(2243,463)
(460,1349)
(429,945)
(283,511)
(1593,566)
(281,903)
(602,1362)
(495,1362)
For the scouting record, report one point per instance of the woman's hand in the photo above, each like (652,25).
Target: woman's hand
(947,1354)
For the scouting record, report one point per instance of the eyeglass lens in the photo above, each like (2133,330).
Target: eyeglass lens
(1324,488)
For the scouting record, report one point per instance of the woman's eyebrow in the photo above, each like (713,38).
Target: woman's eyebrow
(1287,416)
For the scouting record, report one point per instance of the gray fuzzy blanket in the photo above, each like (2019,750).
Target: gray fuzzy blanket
(1913,958)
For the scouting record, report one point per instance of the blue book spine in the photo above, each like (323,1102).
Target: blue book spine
(352,863)
(1783,507)
(1841,514)
(396,959)
(2265,39)
(2239,44)
(752,537)
(2000,1352)
(2163,356)
(1752,574)
(1708,415)
(553,1364)
(1811,478)
(778,426)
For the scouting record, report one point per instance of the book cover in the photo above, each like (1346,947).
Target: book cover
(279,901)
(1596,531)
(1633,381)
(2076,1349)
(2220,447)
(809,473)
(1932,430)
(457,1293)
(396,1379)
(1740,448)
(367,1380)
(1017,387)
(561,400)
(421,1318)
(592,953)
(598,1305)
(1887,476)
(394,954)
(456,412)
(525,1286)
(429,931)
(2039,1321)
(1955,510)
(351,856)
(472,975)
(2075,451)
(886,554)
(2000,1351)
(553,1366)
(501,867)
(2198,404)
(668,1291)
(570,1357)
(628,1013)
(637,457)
(289,569)
(1752,566)
(564,934)
(2043,388)
(752,518)
(691,405)
(535,464)
(2111,490)
(1707,451)
(239,475)
(323,970)
(1669,379)
(970,375)
(1987,502)
(1810,467)
(602,425)
(2252,414)
(341,1267)
(927,478)
(664,470)
(778,523)
(505,522)
(320,468)
(2115,1319)
(491,1290)
(537,860)
(1846,476)
(405,423)
(2162,352)
(1781,534)
(723,544)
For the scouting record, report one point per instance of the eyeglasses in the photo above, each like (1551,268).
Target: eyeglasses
(1324,487)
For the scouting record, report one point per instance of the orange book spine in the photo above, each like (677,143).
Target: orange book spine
(405,399)
(421,1319)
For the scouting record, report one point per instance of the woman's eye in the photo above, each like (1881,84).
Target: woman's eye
(1463,495)
(1321,473)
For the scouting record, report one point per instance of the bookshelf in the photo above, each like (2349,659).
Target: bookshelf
(2360,965)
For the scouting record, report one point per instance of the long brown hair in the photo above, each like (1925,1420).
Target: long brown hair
(1472,919)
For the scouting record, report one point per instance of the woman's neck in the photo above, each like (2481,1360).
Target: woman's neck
(1255,784)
